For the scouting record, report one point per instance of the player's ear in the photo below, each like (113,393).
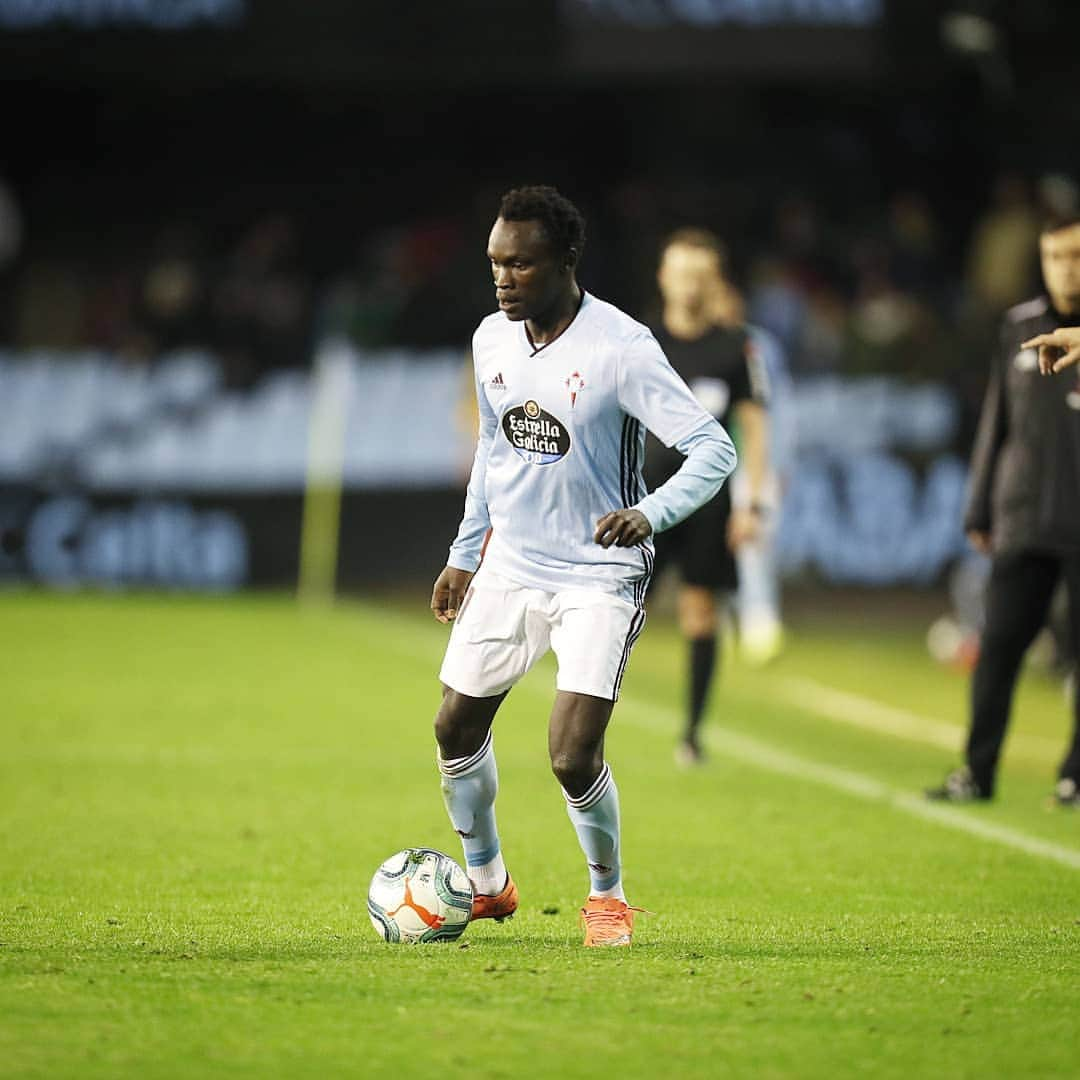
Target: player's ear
(570,259)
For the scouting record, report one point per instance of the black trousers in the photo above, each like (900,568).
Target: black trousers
(1018,600)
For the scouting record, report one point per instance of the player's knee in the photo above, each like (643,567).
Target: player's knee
(575,770)
(698,626)
(697,613)
(457,733)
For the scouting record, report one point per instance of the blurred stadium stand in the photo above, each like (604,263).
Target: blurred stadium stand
(205,193)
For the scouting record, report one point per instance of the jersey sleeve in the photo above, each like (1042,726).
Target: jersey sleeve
(751,381)
(465,551)
(651,391)
(989,438)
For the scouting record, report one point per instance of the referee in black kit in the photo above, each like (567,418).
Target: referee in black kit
(1024,510)
(728,378)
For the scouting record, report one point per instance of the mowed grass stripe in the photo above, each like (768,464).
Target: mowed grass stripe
(857,710)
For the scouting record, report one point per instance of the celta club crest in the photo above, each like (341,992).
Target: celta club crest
(575,384)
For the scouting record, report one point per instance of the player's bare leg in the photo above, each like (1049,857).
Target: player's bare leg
(462,722)
(470,782)
(698,623)
(576,747)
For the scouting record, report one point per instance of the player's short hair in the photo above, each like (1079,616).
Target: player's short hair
(562,221)
(703,239)
(1054,221)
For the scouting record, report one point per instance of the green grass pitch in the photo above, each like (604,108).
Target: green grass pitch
(195,792)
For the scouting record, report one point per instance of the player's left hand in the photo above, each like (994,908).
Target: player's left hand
(744,527)
(623,528)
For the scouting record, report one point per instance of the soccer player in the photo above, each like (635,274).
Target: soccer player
(555,546)
(726,374)
(1024,511)
(757,601)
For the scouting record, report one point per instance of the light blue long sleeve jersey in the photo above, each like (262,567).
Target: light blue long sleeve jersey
(562,442)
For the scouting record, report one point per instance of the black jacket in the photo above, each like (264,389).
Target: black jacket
(1024,486)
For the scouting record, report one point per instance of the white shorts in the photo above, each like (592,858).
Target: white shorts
(503,628)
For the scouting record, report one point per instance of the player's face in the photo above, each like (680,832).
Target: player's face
(530,278)
(688,277)
(1060,252)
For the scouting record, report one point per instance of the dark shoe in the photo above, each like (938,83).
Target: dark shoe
(959,787)
(1067,792)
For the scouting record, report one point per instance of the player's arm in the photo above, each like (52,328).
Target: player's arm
(988,442)
(753,421)
(750,392)
(710,460)
(467,548)
(650,390)
(1057,350)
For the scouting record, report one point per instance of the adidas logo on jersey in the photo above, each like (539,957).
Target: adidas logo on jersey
(497,383)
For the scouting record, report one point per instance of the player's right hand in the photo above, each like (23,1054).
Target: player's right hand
(1057,350)
(449,593)
(979,540)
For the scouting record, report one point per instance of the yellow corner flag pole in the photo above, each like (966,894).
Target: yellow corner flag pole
(320,528)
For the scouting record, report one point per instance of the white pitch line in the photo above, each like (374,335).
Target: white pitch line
(765,756)
(855,710)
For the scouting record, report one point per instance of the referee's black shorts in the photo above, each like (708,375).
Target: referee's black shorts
(698,547)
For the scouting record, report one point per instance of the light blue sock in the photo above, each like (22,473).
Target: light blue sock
(469,787)
(595,817)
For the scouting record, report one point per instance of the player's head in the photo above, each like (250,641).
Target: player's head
(692,269)
(1059,249)
(534,248)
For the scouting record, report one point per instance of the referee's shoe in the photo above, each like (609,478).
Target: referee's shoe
(1067,792)
(958,787)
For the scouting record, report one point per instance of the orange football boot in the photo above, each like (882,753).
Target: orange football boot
(498,907)
(608,921)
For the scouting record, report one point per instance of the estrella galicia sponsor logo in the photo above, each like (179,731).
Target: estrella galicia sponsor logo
(535,435)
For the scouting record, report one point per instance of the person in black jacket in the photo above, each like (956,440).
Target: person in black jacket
(1024,510)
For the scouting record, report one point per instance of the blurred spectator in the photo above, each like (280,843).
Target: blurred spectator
(1001,264)
(50,304)
(364,303)
(914,238)
(261,305)
(778,303)
(11,226)
(407,287)
(169,305)
(11,242)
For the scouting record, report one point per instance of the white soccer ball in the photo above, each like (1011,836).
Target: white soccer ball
(420,894)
